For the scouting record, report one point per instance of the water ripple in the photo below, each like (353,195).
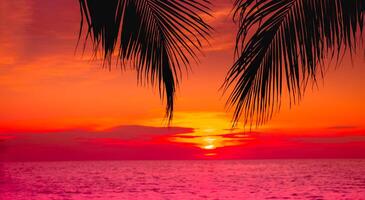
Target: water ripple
(270,179)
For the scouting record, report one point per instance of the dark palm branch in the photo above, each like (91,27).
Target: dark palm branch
(158,37)
(285,42)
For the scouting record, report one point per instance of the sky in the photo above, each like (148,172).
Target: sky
(56,103)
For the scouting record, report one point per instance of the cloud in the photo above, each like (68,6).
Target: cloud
(220,19)
(329,140)
(342,127)
(121,142)
(125,133)
(144,132)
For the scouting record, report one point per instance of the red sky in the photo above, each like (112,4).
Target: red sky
(58,105)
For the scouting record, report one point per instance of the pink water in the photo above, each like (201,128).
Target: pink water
(266,179)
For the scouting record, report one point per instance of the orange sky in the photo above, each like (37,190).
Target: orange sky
(45,86)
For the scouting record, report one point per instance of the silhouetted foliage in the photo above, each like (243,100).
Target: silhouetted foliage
(280,43)
(284,42)
(157,37)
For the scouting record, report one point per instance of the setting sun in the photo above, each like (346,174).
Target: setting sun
(209,143)
(209,146)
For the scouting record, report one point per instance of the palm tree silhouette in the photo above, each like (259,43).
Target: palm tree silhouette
(279,43)
(283,44)
(156,37)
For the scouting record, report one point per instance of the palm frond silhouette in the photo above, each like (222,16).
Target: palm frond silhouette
(283,44)
(158,37)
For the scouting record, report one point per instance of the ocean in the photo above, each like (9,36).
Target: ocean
(241,179)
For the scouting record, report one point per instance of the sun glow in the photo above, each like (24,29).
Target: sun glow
(211,131)
(210,154)
(209,143)
(209,147)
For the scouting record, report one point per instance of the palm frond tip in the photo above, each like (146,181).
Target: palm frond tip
(158,37)
(285,42)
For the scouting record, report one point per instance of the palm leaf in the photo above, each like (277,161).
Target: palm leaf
(285,43)
(158,37)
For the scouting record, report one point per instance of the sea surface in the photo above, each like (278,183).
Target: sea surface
(256,179)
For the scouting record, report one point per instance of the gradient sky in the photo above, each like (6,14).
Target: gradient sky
(56,104)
